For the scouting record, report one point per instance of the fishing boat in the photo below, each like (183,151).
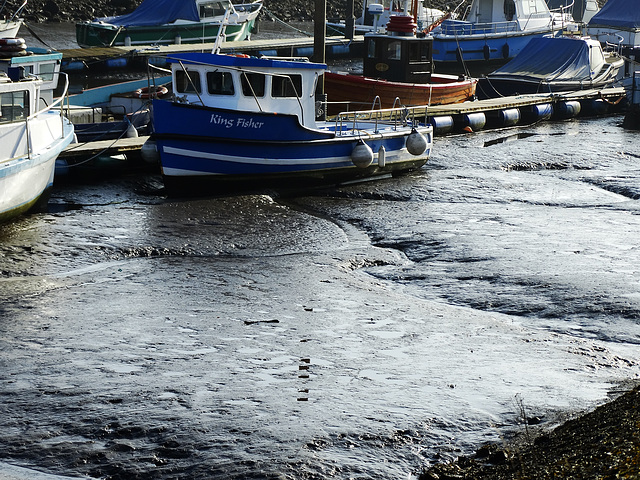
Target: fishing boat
(397,69)
(31,137)
(492,32)
(375,16)
(237,123)
(10,25)
(166,22)
(553,65)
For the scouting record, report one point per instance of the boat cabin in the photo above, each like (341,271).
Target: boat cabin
(208,8)
(406,59)
(41,63)
(250,84)
(17,102)
(509,15)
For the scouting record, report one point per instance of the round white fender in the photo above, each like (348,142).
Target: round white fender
(362,155)
(416,143)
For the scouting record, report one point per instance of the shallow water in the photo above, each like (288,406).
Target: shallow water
(359,332)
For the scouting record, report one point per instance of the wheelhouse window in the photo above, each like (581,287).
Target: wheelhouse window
(371,48)
(252,84)
(212,9)
(46,71)
(394,50)
(220,83)
(188,82)
(14,106)
(286,86)
(419,51)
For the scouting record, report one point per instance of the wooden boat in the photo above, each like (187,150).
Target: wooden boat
(238,123)
(31,138)
(397,70)
(165,22)
(554,65)
(492,32)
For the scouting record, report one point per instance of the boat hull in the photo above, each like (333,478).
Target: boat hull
(359,90)
(212,150)
(26,177)
(9,28)
(94,34)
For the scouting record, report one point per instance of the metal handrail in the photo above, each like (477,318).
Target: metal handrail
(394,117)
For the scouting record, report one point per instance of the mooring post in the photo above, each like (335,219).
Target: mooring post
(319,31)
(349,21)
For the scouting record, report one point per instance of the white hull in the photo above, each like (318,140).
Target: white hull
(9,29)
(24,177)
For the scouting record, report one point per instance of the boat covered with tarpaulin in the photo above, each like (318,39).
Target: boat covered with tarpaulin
(617,22)
(165,22)
(553,64)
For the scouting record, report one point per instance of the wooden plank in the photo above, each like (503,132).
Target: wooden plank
(110,147)
(227,47)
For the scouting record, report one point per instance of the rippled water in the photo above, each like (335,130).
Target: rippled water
(358,332)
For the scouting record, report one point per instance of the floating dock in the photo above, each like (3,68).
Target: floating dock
(97,58)
(520,110)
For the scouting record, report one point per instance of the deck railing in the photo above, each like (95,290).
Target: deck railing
(394,118)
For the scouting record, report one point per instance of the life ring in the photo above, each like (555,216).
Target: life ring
(240,55)
(151,92)
(12,41)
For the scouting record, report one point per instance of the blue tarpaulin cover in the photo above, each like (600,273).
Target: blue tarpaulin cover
(618,13)
(549,59)
(156,12)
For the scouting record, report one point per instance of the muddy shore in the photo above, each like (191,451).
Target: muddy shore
(600,444)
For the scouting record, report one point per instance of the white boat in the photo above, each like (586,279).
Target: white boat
(31,138)
(618,23)
(492,32)
(10,26)
(236,123)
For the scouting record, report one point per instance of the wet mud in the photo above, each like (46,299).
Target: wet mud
(366,331)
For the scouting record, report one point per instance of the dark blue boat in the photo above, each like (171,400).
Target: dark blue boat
(238,121)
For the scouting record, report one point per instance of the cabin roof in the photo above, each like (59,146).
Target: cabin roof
(222,60)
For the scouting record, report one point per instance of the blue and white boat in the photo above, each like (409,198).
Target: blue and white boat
(492,32)
(237,123)
(31,138)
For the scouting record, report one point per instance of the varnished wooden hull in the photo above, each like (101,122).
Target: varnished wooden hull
(355,92)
